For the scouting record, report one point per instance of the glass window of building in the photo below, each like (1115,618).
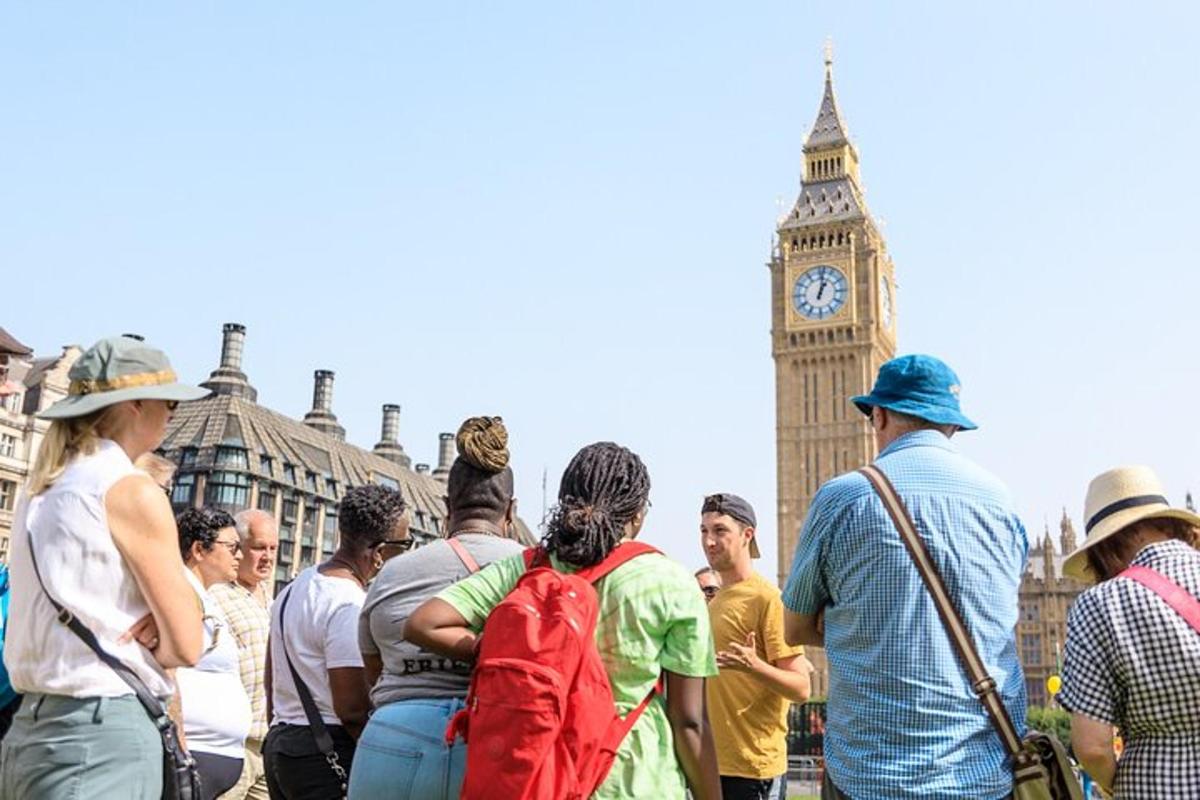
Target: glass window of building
(8,445)
(309,529)
(234,457)
(329,531)
(183,491)
(187,457)
(266,496)
(384,480)
(285,551)
(330,486)
(227,489)
(8,495)
(266,464)
(310,481)
(289,473)
(291,509)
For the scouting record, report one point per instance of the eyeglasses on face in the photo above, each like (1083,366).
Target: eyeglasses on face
(233,547)
(172,405)
(403,545)
(710,591)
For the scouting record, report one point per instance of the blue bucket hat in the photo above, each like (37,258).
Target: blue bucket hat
(920,386)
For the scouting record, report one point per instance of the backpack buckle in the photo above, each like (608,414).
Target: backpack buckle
(65,616)
(985,686)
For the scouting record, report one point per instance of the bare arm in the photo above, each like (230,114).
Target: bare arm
(803,629)
(437,626)
(693,737)
(1092,741)
(175,712)
(144,532)
(350,699)
(372,668)
(787,677)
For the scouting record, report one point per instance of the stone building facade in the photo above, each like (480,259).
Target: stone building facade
(234,453)
(833,323)
(1045,597)
(27,385)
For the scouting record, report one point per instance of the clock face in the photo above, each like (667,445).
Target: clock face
(820,292)
(885,301)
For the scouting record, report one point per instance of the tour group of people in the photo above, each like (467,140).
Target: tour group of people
(353,680)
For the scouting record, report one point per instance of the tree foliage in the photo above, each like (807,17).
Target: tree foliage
(1054,721)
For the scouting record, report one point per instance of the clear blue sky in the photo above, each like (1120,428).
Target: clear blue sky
(561,215)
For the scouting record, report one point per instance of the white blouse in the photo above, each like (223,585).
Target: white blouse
(85,572)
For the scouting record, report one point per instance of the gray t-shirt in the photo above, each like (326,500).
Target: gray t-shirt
(403,584)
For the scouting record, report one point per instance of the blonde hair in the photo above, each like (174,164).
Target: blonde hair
(64,441)
(160,469)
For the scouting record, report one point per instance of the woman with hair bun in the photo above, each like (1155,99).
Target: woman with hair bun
(402,752)
(652,623)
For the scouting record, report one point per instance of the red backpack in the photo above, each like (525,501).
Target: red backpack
(540,718)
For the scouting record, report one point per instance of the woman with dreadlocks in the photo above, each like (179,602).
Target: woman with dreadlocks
(652,623)
(415,692)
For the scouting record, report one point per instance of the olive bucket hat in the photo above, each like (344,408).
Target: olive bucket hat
(116,369)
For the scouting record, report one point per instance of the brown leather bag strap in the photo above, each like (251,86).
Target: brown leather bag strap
(464,555)
(982,683)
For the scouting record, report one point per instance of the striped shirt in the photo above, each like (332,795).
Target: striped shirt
(903,720)
(250,621)
(652,618)
(1131,660)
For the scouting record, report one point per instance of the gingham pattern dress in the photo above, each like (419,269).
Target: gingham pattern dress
(903,720)
(1133,661)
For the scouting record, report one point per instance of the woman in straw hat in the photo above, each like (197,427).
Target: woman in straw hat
(1133,640)
(96,534)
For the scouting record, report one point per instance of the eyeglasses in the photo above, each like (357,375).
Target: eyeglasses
(233,547)
(710,591)
(403,545)
(172,405)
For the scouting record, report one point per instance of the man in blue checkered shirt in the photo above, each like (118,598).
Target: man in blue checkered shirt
(903,719)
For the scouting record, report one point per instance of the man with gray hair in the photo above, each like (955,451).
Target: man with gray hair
(245,604)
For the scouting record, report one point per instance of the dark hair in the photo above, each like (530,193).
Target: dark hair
(200,525)
(480,484)
(368,514)
(603,488)
(1110,556)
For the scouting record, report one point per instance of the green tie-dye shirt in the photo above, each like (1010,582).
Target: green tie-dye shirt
(652,618)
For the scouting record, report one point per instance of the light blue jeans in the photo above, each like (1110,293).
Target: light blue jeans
(402,753)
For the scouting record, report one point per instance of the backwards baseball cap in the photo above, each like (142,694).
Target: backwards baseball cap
(736,507)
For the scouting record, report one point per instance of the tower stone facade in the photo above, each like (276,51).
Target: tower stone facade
(833,323)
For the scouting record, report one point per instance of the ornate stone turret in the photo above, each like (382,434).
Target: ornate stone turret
(389,445)
(229,378)
(1047,557)
(1067,538)
(322,417)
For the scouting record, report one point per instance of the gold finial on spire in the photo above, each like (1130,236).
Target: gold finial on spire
(828,55)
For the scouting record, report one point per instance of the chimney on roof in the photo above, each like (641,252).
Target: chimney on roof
(322,417)
(229,378)
(422,469)
(389,438)
(445,456)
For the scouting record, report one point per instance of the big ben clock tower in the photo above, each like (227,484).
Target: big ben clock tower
(833,321)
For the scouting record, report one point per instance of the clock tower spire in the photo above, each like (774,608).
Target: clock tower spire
(833,320)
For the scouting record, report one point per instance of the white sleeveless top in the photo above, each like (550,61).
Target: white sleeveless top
(85,572)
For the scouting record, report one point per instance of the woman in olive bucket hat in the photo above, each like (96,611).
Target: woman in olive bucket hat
(102,538)
(1133,640)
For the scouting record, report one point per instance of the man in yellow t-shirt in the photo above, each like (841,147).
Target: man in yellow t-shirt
(761,675)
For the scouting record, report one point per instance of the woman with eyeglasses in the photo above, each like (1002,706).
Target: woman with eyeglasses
(213,702)
(314,637)
(416,692)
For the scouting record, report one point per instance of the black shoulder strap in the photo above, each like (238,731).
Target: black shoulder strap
(320,732)
(152,704)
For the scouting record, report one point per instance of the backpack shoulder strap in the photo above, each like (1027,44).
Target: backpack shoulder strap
(1171,592)
(982,683)
(464,555)
(620,554)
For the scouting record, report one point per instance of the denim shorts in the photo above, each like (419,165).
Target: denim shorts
(403,753)
(63,748)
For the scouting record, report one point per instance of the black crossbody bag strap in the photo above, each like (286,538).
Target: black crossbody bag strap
(181,782)
(982,683)
(319,730)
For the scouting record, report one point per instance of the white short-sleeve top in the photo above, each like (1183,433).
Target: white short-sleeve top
(85,572)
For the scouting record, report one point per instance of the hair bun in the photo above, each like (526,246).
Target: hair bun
(483,443)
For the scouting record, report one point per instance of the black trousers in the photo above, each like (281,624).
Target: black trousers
(736,788)
(296,769)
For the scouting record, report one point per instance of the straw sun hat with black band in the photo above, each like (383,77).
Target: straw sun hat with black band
(116,369)
(1115,500)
